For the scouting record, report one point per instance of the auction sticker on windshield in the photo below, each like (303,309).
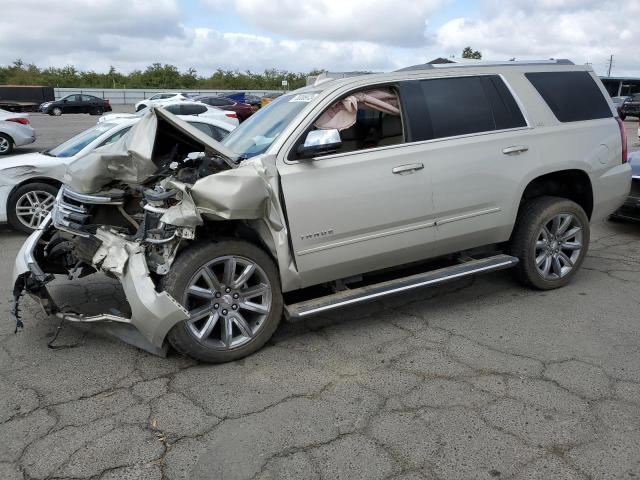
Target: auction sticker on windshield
(303,97)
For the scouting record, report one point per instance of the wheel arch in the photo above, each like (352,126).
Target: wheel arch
(572,184)
(9,136)
(48,180)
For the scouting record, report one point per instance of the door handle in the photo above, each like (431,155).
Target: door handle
(409,168)
(515,150)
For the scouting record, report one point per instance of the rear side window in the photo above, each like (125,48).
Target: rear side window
(571,96)
(462,106)
(190,109)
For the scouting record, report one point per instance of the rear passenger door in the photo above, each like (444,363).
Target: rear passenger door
(477,142)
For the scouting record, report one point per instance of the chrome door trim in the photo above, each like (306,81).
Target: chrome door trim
(467,215)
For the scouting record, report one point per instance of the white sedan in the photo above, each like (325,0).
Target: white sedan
(181,108)
(29,183)
(15,131)
(158,98)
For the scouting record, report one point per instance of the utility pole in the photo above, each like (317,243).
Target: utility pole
(610,65)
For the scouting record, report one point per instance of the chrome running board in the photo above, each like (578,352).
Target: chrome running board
(301,310)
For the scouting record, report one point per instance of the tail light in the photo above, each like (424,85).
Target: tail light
(106,100)
(623,137)
(22,120)
(231,115)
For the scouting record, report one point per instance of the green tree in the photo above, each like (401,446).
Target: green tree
(469,52)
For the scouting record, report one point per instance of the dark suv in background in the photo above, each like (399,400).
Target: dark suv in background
(76,103)
(630,107)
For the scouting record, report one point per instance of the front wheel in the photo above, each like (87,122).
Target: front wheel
(551,239)
(56,111)
(232,292)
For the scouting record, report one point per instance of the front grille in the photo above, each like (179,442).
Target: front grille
(72,210)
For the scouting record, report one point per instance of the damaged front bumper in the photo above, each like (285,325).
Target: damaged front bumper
(153,313)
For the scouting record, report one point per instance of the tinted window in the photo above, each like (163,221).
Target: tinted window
(72,98)
(190,109)
(457,106)
(88,98)
(218,102)
(175,109)
(571,96)
(203,127)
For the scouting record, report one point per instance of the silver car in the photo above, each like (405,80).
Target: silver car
(345,191)
(15,131)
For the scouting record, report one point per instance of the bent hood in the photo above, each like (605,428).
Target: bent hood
(157,139)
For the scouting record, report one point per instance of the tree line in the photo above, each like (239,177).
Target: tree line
(156,75)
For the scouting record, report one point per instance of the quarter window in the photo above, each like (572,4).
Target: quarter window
(571,96)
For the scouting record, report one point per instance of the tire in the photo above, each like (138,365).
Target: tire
(141,107)
(205,339)
(97,111)
(530,244)
(6,144)
(38,196)
(56,111)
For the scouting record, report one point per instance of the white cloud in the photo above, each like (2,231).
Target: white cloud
(389,22)
(581,30)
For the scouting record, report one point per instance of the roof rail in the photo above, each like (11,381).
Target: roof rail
(429,66)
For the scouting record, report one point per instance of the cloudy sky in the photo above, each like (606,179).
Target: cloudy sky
(301,35)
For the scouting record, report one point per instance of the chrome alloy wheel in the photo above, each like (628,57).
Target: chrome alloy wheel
(558,246)
(5,145)
(33,207)
(228,300)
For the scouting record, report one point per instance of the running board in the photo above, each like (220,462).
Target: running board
(299,311)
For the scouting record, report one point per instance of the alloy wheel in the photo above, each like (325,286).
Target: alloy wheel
(228,300)
(558,246)
(33,207)
(5,145)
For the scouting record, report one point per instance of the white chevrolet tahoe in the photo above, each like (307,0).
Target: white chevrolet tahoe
(338,193)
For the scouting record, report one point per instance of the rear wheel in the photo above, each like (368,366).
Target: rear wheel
(232,292)
(97,111)
(551,239)
(6,144)
(29,205)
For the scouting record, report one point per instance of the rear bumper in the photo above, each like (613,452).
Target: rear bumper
(153,313)
(24,136)
(610,191)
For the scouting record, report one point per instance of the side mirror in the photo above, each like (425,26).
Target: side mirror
(64,101)
(320,141)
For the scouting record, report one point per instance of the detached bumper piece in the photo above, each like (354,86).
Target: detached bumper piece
(299,311)
(153,313)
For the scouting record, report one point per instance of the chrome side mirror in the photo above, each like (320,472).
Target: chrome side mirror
(320,141)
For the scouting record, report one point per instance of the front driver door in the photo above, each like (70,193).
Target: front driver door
(358,211)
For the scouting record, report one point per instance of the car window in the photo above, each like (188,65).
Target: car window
(88,98)
(168,95)
(80,141)
(192,109)
(72,98)
(203,127)
(175,109)
(571,96)
(156,97)
(218,102)
(456,106)
(116,136)
(376,121)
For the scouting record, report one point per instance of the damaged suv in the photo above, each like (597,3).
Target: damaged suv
(338,193)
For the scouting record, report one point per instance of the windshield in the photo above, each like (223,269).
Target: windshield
(77,143)
(258,132)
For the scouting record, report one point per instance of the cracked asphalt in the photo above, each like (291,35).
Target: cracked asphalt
(476,379)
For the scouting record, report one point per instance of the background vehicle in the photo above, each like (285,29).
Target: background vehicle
(268,98)
(618,101)
(181,107)
(24,98)
(157,98)
(630,107)
(631,208)
(339,193)
(243,110)
(15,131)
(76,103)
(29,183)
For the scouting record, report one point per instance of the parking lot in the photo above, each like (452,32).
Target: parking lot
(477,379)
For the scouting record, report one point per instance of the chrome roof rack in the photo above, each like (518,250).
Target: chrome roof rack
(480,63)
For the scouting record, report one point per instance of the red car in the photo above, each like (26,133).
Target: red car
(243,110)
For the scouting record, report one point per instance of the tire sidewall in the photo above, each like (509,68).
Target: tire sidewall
(559,207)
(184,268)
